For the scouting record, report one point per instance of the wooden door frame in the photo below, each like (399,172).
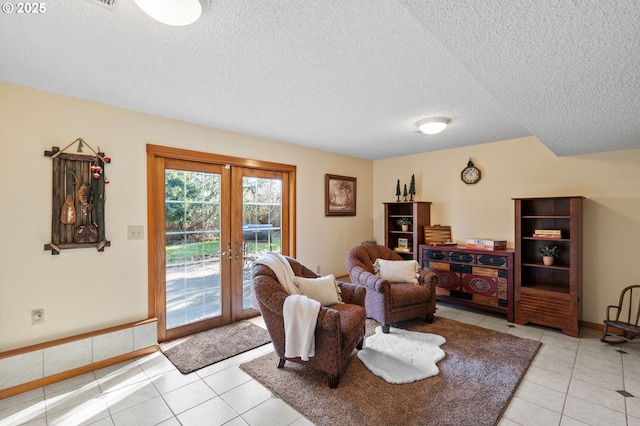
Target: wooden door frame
(156,251)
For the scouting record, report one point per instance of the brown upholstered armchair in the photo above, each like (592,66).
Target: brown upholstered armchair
(388,303)
(340,328)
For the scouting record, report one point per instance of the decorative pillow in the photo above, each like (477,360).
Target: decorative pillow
(323,289)
(397,271)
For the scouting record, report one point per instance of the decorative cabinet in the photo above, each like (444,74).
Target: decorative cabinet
(472,277)
(395,238)
(548,295)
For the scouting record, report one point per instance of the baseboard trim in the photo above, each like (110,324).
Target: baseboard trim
(24,387)
(593,325)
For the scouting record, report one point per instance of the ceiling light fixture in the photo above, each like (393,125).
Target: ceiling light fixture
(174,12)
(433,125)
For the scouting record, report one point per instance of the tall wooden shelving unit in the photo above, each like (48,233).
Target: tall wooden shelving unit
(420,214)
(549,295)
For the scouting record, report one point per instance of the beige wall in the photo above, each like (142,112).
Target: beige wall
(82,290)
(526,168)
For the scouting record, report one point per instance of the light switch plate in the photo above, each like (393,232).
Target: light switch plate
(135,232)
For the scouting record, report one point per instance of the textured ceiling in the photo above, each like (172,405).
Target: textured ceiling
(353,76)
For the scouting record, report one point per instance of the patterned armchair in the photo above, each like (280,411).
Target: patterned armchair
(340,328)
(388,303)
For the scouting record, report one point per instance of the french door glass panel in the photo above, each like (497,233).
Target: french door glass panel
(192,243)
(261,225)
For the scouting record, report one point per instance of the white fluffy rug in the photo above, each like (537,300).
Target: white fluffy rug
(402,356)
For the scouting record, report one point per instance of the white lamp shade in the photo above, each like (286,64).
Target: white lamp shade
(173,12)
(431,126)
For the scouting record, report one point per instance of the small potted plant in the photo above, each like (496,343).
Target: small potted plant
(404,222)
(548,252)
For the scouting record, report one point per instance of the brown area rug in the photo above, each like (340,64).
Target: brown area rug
(199,350)
(478,376)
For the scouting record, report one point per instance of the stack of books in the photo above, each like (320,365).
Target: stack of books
(547,233)
(485,244)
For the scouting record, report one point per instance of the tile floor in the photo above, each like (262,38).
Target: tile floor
(571,382)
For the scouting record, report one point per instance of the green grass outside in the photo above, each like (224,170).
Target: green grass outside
(211,248)
(189,251)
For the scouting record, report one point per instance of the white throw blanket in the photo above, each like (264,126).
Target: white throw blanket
(300,313)
(300,317)
(281,267)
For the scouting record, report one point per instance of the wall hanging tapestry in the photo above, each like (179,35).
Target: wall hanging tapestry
(78,196)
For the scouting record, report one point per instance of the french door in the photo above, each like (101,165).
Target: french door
(210,217)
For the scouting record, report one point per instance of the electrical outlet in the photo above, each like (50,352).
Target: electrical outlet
(37,316)
(318,269)
(135,233)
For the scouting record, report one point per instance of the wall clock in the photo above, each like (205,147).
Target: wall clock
(470,174)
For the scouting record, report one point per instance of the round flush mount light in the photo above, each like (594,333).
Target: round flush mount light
(174,12)
(432,125)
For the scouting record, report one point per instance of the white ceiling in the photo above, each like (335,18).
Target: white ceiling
(352,76)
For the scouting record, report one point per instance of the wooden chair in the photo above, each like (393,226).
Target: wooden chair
(623,318)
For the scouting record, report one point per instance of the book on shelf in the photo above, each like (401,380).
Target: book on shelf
(548,231)
(548,236)
(402,249)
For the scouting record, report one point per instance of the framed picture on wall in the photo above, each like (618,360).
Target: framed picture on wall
(340,195)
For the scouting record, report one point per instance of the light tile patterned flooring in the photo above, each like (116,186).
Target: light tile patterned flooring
(571,382)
